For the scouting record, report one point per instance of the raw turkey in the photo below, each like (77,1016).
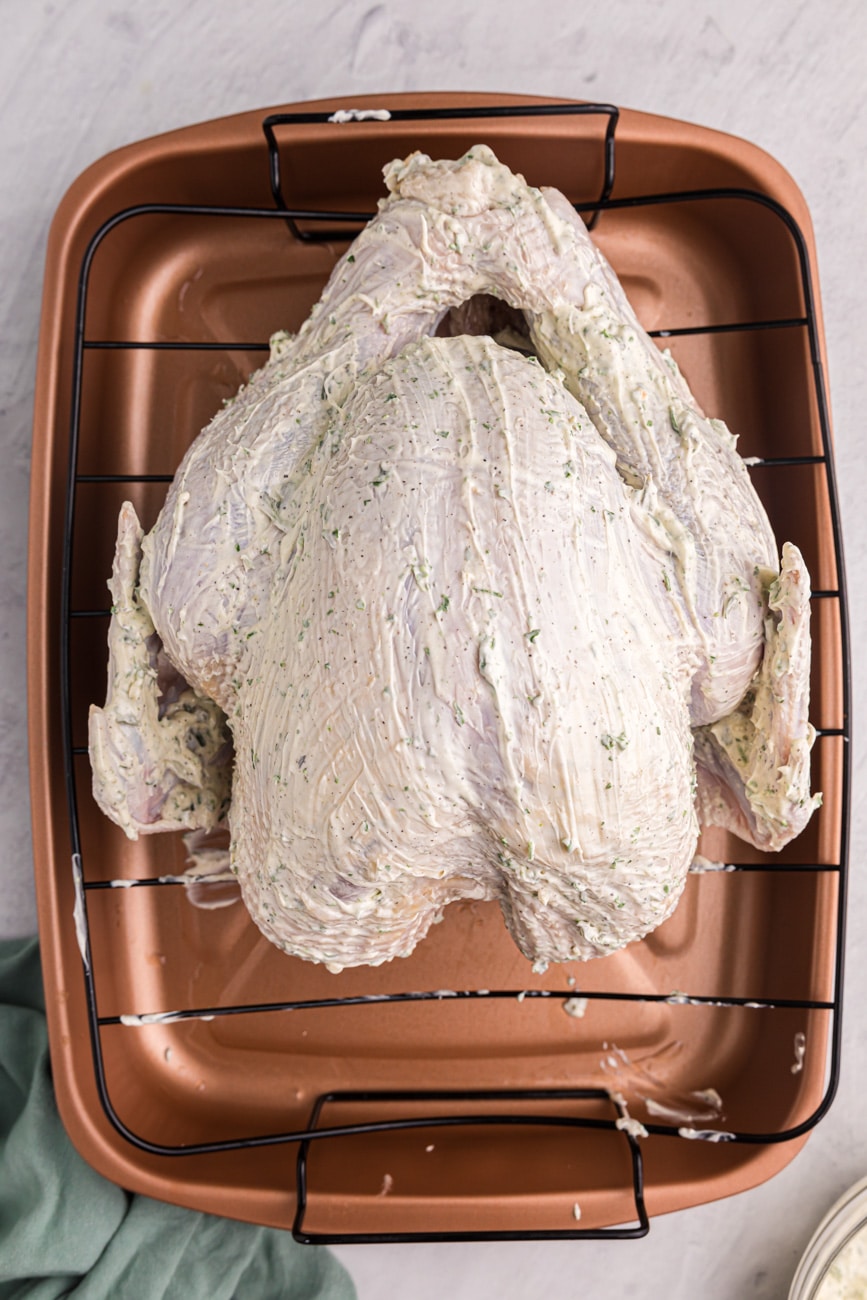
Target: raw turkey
(462,597)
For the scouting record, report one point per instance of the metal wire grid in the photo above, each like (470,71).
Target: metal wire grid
(328,225)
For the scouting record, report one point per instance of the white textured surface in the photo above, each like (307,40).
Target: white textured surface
(78,80)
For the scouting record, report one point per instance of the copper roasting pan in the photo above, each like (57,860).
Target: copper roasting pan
(476,1107)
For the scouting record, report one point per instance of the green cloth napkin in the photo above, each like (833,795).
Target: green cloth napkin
(66,1231)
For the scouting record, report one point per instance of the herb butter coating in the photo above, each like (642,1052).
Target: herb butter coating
(481,624)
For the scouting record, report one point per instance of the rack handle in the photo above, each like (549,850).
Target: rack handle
(619,1122)
(342,117)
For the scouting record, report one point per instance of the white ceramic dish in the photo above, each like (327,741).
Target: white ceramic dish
(834,1265)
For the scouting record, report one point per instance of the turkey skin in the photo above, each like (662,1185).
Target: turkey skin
(494,615)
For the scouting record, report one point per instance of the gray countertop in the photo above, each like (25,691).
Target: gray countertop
(78,80)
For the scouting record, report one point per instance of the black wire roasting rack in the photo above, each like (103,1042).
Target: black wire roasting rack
(309,225)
